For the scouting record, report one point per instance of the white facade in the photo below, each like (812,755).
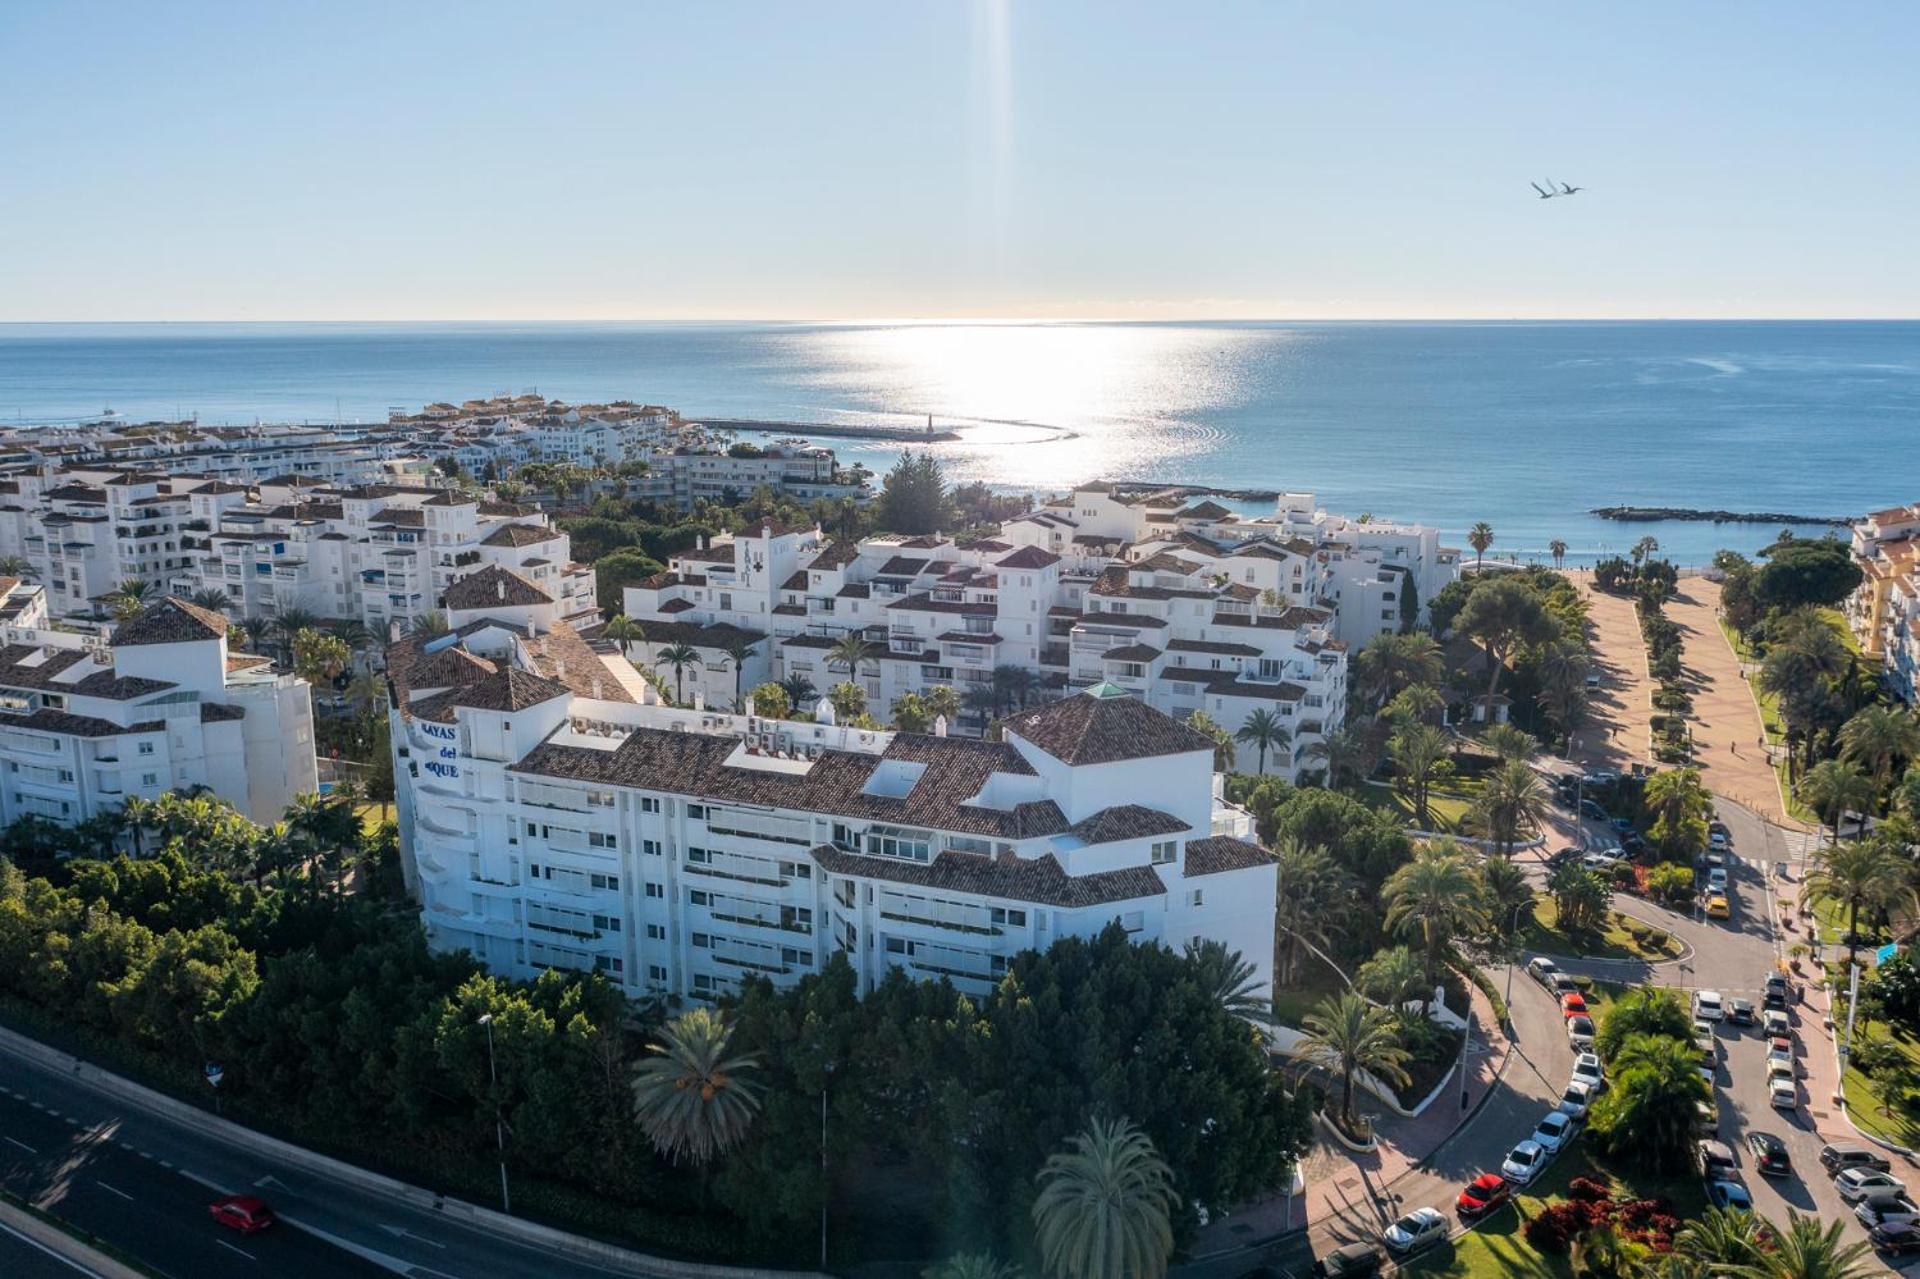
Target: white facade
(678,850)
(86,723)
(1189,607)
(1884,611)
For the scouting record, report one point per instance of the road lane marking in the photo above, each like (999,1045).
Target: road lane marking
(23,1145)
(242,1251)
(37,1246)
(113,1190)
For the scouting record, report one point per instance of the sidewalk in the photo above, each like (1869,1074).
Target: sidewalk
(50,1239)
(1345,1192)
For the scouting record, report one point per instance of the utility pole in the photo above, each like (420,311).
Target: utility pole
(499,1124)
(825,1192)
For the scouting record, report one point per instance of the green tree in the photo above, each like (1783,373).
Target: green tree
(1345,1035)
(1392,661)
(739,650)
(1313,895)
(1263,731)
(618,569)
(1232,981)
(1509,741)
(770,701)
(849,701)
(1647,1115)
(1859,878)
(1805,571)
(1347,752)
(913,496)
(318,657)
(425,625)
(1581,898)
(1877,737)
(1503,615)
(971,1265)
(1645,1010)
(1105,1207)
(677,658)
(1395,977)
(910,713)
(694,1098)
(622,630)
(1512,800)
(944,703)
(1435,898)
(1422,758)
(851,651)
(1201,722)
(1833,788)
(1681,806)
(1723,1238)
(1480,537)
(1508,893)
(1809,1248)
(1558,549)
(1414,704)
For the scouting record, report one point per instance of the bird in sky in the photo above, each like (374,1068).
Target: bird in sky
(1567,190)
(1544,193)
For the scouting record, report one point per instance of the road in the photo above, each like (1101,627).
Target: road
(22,1258)
(142,1182)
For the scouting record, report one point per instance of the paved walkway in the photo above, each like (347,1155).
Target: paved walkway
(1619,711)
(1729,741)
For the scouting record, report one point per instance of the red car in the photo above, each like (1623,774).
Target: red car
(1483,1194)
(244,1213)
(1573,1004)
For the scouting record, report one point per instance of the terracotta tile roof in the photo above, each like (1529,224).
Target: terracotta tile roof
(902,566)
(1204,511)
(450,667)
(171,621)
(1028,557)
(77,725)
(836,555)
(1212,646)
(694,764)
(1279,691)
(1216,853)
(217,713)
(1127,821)
(1291,619)
(399,517)
(1131,653)
(494,587)
(563,654)
(925,603)
(1093,728)
(683,606)
(717,635)
(519,535)
(1039,880)
(796,581)
(452,497)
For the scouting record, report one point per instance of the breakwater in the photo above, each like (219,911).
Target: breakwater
(1649,514)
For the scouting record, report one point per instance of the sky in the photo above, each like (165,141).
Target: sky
(879,159)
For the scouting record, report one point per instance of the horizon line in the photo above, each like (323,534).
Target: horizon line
(997,321)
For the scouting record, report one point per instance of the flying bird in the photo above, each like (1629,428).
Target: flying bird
(1567,190)
(1544,193)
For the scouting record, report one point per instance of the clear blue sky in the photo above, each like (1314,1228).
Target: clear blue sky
(899,158)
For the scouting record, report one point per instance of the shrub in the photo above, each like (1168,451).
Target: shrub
(1588,1190)
(1555,1229)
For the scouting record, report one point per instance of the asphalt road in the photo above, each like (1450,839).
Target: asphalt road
(143,1181)
(22,1258)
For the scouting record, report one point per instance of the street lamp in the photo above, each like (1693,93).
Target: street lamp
(1513,928)
(825,1192)
(499,1125)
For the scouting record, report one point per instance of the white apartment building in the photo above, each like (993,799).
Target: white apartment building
(1884,610)
(87,722)
(554,815)
(1189,607)
(84,530)
(378,553)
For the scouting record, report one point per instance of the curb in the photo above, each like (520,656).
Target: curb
(1840,1083)
(56,1240)
(605,1255)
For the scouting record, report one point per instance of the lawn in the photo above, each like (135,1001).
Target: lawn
(1294,1002)
(1446,809)
(1770,721)
(1542,934)
(1498,1249)
(1865,1101)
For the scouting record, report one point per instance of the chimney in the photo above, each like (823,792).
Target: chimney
(699,700)
(823,713)
(393,631)
(939,725)
(500,590)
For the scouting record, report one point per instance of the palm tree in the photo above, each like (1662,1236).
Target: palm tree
(1644,548)
(1809,1248)
(1720,1237)
(1557,549)
(1436,898)
(1013,684)
(1223,752)
(1649,1115)
(1394,977)
(258,630)
(738,650)
(971,1265)
(1264,731)
(1581,898)
(692,1097)
(130,596)
(1345,1035)
(1312,898)
(679,657)
(850,651)
(1509,741)
(1391,661)
(1346,751)
(849,701)
(1422,757)
(983,701)
(799,690)
(622,630)
(14,566)
(292,621)
(1509,894)
(427,625)
(1414,704)
(1681,806)
(1480,537)
(1512,799)
(1833,788)
(943,702)
(1228,978)
(1859,877)
(212,597)
(1105,1209)
(1876,737)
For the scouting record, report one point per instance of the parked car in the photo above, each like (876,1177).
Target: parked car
(1896,1238)
(1778,1068)
(1590,809)
(1783,1093)
(1718,840)
(1524,1162)
(1780,1052)
(1573,1004)
(1564,984)
(1578,1099)
(1740,1012)
(1855,1184)
(1718,907)
(1731,1195)
(1349,1261)
(1482,1195)
(1707,1005)
(1580,1033)
(1415,1231)
(1717,880)
(1543,970)
(1555,1129)
(1715,1159)
(1588,1070)
(1716,826)
(1886,1210)
(1779,991)
(1770,1154)
(1842,1155)
(248,1214)
(1774,1023)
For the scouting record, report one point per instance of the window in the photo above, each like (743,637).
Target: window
(699,856)
(607,923)
(699,897)
(656,890)
(1196,898)
(599,799)
(656,932)
(901,842)
(795,870)
(798,958)
(609,963)
(149,779)
(698,812)
(656,973)
(532,830)
(702,942)
(651,847)
(146,748)
(1165,851)
(597,840)
(605,881)
(1017,918)
(648,804)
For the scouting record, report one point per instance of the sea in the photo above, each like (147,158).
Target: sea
(1527,426)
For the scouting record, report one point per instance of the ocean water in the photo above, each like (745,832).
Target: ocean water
(1524,425)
